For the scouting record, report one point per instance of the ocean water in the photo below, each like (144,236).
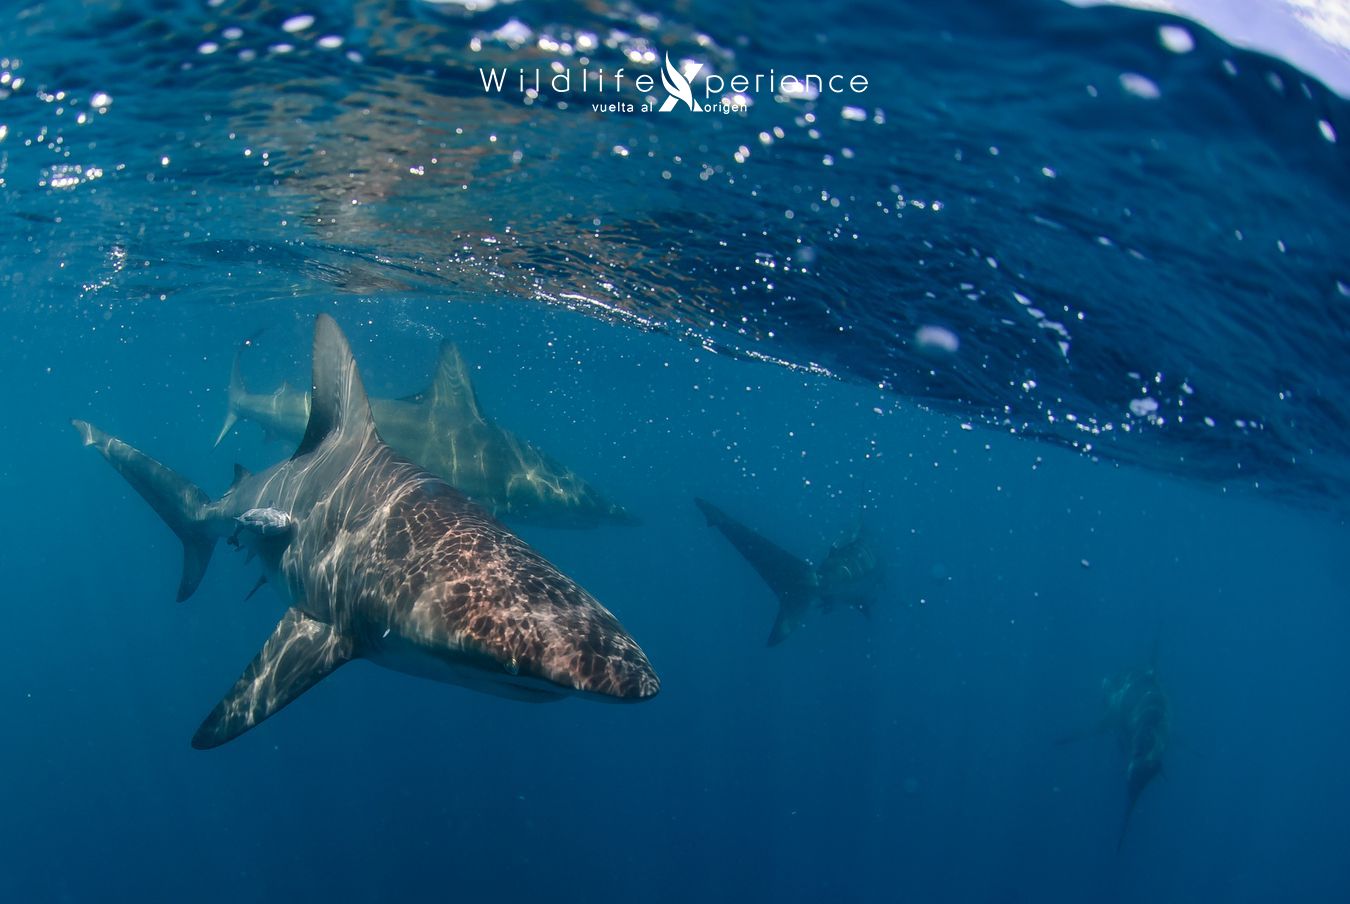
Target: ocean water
(1058,310)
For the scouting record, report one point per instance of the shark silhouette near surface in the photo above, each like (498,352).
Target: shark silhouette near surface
(850,575)
(444,430)
(1139,715)
(381,560)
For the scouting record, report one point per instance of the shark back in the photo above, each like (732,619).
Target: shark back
(851,573)
(445,430)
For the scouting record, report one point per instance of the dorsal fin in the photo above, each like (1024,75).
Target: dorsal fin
(452,388)
(241,474)
(338,401)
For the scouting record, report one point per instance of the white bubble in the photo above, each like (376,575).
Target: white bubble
(1176,39)
(937,337)
(1143,407)
(1327,131)
(297,23)
(472,6)
(1140,86)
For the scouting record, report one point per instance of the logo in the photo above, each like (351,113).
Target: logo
(678,87)
(619,92)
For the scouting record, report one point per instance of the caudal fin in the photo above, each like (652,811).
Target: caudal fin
(178,501)
(237,391)
(1125,822)
(792,580)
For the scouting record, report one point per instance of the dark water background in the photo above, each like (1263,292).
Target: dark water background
(616,316)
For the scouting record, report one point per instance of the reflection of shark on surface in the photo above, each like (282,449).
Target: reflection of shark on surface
(1138,714)
(381,560)
(445,431)
(850,575)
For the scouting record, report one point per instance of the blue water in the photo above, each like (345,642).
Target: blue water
(1091,398)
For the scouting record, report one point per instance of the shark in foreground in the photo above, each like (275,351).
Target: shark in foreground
(850,574)
(381,560)
(1138,714)
(445,431)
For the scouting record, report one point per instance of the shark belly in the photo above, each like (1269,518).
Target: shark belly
(467,670)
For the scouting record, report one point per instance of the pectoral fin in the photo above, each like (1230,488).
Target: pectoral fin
(299,654)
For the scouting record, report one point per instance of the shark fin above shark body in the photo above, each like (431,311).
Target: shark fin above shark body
(792,580)
(241,474)
(452,387)
(174,498)
(338,403)
(301,652)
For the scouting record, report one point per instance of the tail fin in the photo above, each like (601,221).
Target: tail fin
(237,390)
(178,501)
(1125,823)
(792,580)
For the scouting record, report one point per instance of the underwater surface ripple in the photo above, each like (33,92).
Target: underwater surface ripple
(1043,219)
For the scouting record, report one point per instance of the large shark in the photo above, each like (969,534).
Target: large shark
(1138,714)
(850,574)
(381,560)
(445,431)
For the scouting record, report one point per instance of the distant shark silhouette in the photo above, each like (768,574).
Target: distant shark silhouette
(850,574)
(384,561)
(445,431)
(1138,714)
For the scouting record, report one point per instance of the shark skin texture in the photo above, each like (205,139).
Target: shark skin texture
(381,560)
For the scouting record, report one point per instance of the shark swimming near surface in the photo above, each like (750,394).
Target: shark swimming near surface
(444,430)
(381,560)
(1139,715)
(850,575)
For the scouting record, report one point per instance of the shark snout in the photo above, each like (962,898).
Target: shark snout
(611,668)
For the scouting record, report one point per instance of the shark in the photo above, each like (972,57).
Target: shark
(379,559)
(445,430)
(1138,714)
(849,575)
